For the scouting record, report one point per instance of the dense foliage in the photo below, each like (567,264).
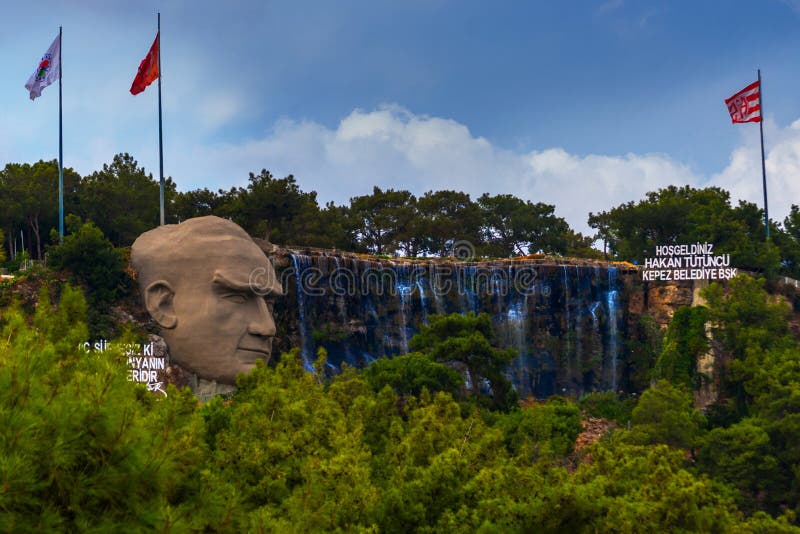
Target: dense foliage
(684,343)
(682,215)
(465,342)
(122,200)
(81,448)
(88,255)
(753,444)
(403,446)
(93,262)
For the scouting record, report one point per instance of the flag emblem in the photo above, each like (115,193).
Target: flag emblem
(44,66)
(745,106)
(47,71)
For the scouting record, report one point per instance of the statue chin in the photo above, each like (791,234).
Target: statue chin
(249,357)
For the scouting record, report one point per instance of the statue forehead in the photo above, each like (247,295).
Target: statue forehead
(194,236)
(233,256)
(228,248)
(196,245)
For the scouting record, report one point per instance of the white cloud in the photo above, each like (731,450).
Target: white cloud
(394,148)
(218,109)
(610,5)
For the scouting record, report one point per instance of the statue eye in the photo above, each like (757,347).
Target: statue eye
(236,298)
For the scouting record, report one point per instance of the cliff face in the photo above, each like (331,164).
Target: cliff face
(570,321)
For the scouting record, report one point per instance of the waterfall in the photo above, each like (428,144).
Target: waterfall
(499,290)
(578,345)
(301,263)
(436,286)
(516,318)
(403,289)
(421,289)
(595,337)
(562,320)
(567,330)
(612,298)
(341,303)
(470,287)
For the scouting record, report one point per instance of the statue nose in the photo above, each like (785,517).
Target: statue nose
(263,323)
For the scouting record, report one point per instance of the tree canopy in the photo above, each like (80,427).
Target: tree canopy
(83,448)
(683,215)
(122,200)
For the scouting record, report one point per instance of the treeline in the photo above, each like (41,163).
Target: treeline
(122,200)
(399,447)
(684,215)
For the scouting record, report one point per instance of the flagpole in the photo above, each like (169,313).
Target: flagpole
(763,164)
(60,147)
(160,136)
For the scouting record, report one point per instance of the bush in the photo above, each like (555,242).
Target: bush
(93,260)
(665,415)
(466,342)
(544,430)
(684,343)
(608,405)
(410,373)
(83,448)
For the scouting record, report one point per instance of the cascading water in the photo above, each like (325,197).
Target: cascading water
(301,263)
(421,288)
(341,287)
(403,288)
(612,299)
(577,354)
(567,329)
(562,320)
(516,319)
(436,287)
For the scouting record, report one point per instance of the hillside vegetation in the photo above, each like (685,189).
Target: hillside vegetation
(398,447)
(402,446)
(393,222)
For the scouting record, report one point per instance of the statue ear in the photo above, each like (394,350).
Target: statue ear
(158,301)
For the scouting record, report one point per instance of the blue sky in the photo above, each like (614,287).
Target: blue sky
(581,104)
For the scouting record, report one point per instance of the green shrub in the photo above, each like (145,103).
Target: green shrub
(410,373)
(545,430)
(608,405)
(665,415)
(83,448)
(93,260)
(684,343)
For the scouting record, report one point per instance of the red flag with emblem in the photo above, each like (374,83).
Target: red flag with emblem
(745,106)
(148,70)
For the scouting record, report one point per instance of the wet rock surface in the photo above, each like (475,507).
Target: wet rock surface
(569,319)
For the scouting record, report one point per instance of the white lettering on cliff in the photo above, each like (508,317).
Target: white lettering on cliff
(144,366)
(696,261)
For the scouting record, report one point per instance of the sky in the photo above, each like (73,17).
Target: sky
(581,104)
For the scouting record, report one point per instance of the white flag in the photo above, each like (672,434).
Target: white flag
(48,71)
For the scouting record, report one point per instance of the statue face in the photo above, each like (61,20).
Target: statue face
(223,316)
(209,287)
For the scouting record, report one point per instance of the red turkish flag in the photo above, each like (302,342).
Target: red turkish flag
(148,70)
(745,106)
